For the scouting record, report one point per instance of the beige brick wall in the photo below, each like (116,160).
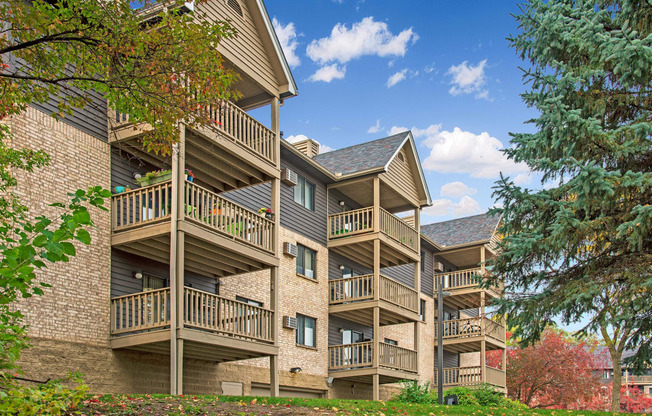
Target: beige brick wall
(76,307)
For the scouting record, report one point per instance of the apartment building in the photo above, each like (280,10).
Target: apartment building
(254,266)
(641,380)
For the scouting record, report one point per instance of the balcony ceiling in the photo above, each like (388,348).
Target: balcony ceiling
(362,192)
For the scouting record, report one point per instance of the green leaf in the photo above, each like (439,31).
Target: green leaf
(83,236)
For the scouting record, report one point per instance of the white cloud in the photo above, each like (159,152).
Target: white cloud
(522,179)
(468,79)
(396,130)
(457,189)
(367,37)
(430,68)
(301,137)
(396,78)
(461,151)
(375,128)
(287,36)
(328,73)
(467,206)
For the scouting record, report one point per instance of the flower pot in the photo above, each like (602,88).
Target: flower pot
(189,178)
(269,216)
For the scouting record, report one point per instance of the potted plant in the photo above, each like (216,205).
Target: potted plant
(189,175)
(154,177)
(267,213)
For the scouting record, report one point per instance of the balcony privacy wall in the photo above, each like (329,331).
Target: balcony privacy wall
(311,224)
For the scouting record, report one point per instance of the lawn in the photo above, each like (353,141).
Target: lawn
(159,405)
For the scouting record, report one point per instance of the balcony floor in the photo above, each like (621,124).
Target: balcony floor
(362,312)
(198,344)
(467,298)
(206,251)
(471,344)
(361,249)
(365,375)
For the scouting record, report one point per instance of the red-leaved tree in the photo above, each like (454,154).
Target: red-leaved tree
(554,373)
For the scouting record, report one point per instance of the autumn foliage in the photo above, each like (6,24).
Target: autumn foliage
(554,373)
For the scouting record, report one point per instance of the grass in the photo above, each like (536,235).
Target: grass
(159,405)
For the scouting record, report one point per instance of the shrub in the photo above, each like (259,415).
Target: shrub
(413,392)
(51,398)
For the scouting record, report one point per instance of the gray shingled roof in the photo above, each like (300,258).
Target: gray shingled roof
(601,353)
(461,230)
(361,157)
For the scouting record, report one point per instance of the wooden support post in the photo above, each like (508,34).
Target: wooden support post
(417,338)
(375,357)
(417,268)
(273,360)
(483,326)
(483,255)
(177,263)
(376,204)
(376,387)
(274,271)
(377,269)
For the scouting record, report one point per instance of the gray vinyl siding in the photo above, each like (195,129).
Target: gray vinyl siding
(123,167)
(334,262)
(402,274)
(334,325)
(428,273)
(294,217)
(124,265)
(334,199)
(92,119)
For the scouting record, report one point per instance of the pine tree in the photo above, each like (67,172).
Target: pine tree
(582,246)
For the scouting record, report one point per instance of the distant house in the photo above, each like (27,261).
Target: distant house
(605,368)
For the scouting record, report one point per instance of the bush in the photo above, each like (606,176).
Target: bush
(413,392)
(51,398)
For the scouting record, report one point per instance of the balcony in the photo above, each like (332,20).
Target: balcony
(353,298)
(351,233)
(356,362)
(214,328)
(462,285)
(646,380)
(234,152)
(473,376)
(465,335)
(222,238)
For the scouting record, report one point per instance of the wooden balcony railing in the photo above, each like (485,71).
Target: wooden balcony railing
(399,294)
(461,279)
(469,376)
(360,221)
(142,206)
(360,355)
(153,203)
(233,122)
(350,356)
(360,288)
(472,327)
(351,289)
(206,311)
(348,223)
(496,377)
(228,217)
(140,311)
(399,358)
(399,230)
(637,379)
(214,313)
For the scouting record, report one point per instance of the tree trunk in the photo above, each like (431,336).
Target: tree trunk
(617,382)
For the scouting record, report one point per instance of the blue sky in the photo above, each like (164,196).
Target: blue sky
(443,69)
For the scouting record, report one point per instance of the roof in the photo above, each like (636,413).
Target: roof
(362,157)
(601,353)
(462,230)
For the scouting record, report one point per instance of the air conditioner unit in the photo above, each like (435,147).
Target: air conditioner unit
(439,267)
(290,322)
(289,177)
(290,249)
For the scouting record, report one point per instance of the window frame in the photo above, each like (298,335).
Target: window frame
(390,341)
(423,261)
(301,261)
(302,185)
(422,310)
(248,301)
(301,330)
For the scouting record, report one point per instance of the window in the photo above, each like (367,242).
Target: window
(422,309)
(391,342)
(306,259)
(423,261)
(153,283)
(304,193)
(349,272)
(249,301)
(306,331)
